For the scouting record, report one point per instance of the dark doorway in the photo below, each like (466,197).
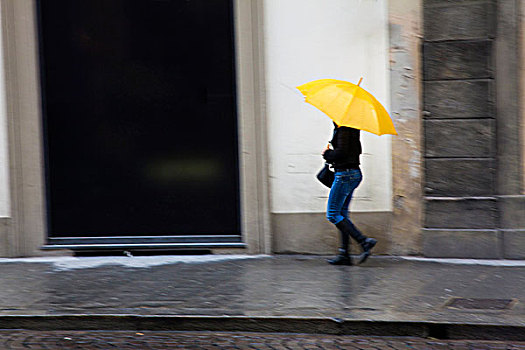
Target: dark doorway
(139,117)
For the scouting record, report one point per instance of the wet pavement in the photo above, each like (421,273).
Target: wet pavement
(300,287)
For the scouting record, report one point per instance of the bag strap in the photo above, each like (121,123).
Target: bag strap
(331,166)
(333,135)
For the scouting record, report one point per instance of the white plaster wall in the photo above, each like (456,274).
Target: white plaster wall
(314,39)
(4,158)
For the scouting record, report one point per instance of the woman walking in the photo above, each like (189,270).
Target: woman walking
(345,159)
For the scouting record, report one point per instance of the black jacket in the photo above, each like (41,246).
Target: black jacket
(346,149)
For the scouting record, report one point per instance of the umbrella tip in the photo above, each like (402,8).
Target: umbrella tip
(360,80)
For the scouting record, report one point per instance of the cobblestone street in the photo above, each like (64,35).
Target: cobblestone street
(207,340)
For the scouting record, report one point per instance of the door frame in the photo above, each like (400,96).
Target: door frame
(27,229)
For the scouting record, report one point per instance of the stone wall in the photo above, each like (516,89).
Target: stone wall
(472,152)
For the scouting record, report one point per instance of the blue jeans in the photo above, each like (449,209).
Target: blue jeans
(341,194)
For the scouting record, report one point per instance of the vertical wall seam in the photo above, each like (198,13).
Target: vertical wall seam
(521,87)
(405,36)
(14,140)
(263,185)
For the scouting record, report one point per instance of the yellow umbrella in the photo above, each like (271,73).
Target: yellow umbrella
(348,104)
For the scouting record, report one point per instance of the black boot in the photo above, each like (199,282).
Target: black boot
(341,259)
(366,243)
(367,246)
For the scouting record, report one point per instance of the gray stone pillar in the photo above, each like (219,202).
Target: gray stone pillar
(510,157)
(471,118)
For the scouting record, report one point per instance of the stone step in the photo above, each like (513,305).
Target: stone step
(457,60)
(460,177)
(460,138)
(445,20)
(459,99)
(461,213)
(450,243)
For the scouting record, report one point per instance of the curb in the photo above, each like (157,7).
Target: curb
(330,326)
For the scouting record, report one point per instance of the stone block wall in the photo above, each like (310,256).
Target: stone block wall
(473,207)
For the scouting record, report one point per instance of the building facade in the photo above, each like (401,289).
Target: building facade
(103,117)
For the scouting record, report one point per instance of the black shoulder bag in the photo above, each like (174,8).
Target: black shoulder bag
(326,176)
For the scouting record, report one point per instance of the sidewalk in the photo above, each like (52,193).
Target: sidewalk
(384,296)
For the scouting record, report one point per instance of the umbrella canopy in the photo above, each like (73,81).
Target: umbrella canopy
(349,105)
